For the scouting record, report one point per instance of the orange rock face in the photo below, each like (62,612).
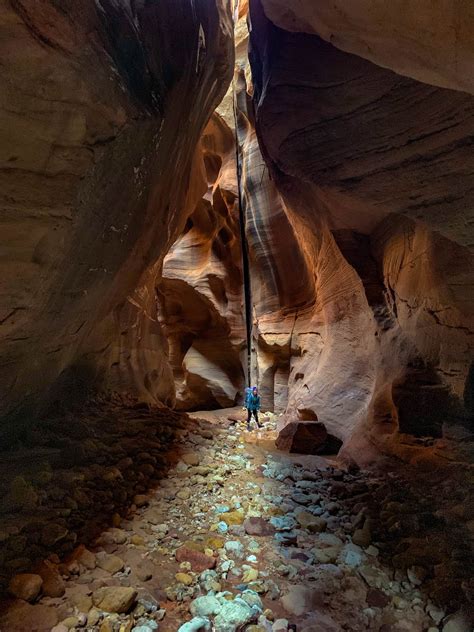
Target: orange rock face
(360,236)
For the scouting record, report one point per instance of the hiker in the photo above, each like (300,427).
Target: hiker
(248,392)
(252,404)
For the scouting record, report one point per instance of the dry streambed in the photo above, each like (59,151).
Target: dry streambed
(237,536)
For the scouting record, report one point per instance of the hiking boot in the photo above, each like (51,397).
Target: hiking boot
(248,427)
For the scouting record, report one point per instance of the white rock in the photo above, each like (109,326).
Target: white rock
(198,624)
(280,625)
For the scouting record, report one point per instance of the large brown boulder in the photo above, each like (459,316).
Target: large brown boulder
(303,437)
(115,599)
(25,586)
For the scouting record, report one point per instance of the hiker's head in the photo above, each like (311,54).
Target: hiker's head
(255,390)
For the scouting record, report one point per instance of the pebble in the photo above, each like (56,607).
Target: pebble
(197,624)
(250,575)
(205,606)
(235,548)
(70,622)
(150,626)
(93,616)
(184,578)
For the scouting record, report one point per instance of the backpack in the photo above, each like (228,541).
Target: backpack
(248,393)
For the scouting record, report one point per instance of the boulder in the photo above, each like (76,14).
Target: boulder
(25,586)
(302,437)
(53,584)
(118,599)
(110,563)
(232,518)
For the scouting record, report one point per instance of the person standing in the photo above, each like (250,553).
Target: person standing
(248,392)
(253,406)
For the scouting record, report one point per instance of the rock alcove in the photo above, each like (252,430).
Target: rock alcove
(197,195)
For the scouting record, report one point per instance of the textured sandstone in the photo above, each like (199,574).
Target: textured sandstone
(429,41)
(201,291)
(122,268)
(360,238)
(101,113)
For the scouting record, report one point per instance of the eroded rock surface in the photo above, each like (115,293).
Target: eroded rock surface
(360,232)
(201,291)
(431,42)
(103,105)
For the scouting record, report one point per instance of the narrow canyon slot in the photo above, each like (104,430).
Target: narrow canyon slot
(236,316)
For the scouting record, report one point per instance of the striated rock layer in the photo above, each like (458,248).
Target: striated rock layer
(359,221)
(102,106)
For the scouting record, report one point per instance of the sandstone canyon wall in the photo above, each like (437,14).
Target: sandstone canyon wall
(102,106)
(359,219)
(201,291)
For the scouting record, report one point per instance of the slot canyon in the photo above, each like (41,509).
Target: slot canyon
(200,196)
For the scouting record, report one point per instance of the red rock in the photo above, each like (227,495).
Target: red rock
(53,584)
(377,599)
(258,526)
(303,437)
(199,561)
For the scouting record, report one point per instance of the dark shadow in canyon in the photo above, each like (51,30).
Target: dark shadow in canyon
(75,473)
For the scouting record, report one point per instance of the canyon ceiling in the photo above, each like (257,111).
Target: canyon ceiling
(124,193)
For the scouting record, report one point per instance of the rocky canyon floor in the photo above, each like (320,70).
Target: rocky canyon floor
(193,524)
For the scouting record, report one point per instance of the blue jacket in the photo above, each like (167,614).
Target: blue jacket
(253,402)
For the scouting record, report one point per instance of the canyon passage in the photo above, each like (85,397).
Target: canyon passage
(198,196)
